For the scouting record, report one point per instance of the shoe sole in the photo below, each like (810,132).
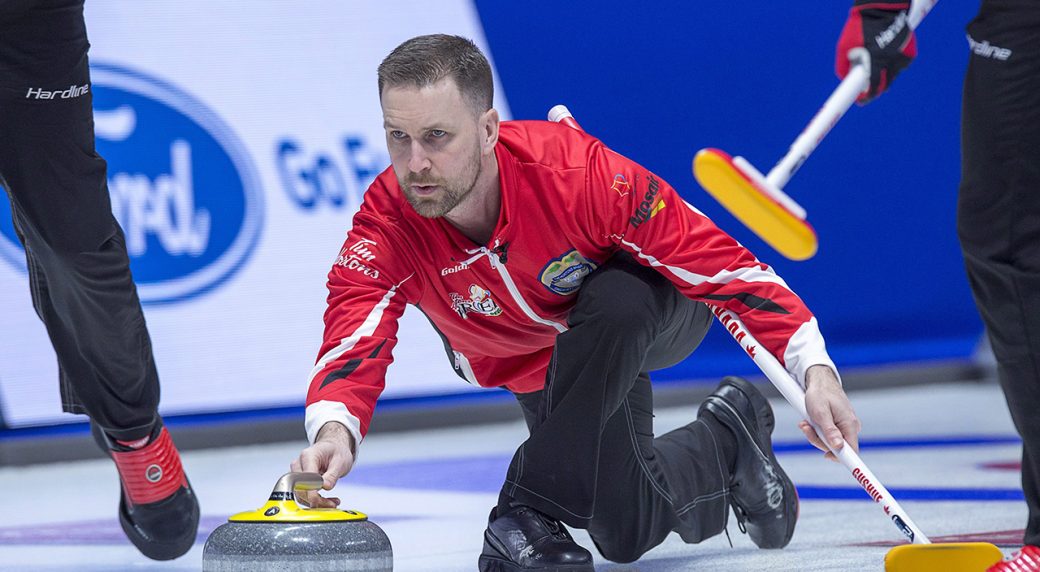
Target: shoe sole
(765,450)
(153,549)
(491,564)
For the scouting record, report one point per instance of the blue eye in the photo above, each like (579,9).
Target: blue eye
(398,134)
(438,133)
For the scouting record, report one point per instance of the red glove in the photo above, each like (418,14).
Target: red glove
(881,28)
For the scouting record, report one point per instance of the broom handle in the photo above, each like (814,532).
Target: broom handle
(795,395)
(855,82)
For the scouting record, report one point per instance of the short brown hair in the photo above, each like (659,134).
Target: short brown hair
(425,60)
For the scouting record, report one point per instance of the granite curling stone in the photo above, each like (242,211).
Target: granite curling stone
(283,536)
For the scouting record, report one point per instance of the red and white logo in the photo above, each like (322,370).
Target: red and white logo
(479,302)
(359,258)
(867,485)
(621,186)
(153,473)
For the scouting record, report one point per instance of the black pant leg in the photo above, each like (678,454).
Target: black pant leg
(634,510)
(530,405)
(1009,303)
(78,265)
(648,488)
(999,212)
(591,460)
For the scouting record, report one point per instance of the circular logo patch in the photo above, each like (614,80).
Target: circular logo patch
(153,473)
(564,275)
(271,511)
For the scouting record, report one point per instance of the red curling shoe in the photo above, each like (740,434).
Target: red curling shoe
(1026,560)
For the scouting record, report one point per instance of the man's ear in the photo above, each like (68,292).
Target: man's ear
(489,130)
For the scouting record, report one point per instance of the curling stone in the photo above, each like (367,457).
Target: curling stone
(283,536)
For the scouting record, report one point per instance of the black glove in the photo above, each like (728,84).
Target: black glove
(883,29)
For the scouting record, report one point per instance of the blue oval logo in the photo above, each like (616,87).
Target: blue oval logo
(182,186)
(563,275)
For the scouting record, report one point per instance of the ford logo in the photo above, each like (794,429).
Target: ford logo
(182,186)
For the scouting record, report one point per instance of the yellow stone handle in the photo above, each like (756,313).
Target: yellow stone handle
(282,505)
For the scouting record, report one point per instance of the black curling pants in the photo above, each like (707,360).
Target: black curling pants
(78,266)
(592,460)
(998,217)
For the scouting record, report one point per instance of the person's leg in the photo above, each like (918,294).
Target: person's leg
(685,480)
(649,487)
(592,436)
(999,215)
(1009,302)
(78,265)
(530,406)
(79,271)
(673,474)
(622,308)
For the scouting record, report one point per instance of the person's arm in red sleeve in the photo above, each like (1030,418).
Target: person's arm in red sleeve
(650,220)
(365,301)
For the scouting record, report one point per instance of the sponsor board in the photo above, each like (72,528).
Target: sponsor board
(235,168)
(181,183)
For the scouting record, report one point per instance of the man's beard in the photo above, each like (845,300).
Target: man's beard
(449,196)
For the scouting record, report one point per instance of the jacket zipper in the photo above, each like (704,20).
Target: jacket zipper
(462,364)
(496,264)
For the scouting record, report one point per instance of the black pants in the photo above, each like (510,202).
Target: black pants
(999,211)
(592,460)
(79,271)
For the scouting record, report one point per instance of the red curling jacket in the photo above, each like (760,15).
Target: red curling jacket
(568,204)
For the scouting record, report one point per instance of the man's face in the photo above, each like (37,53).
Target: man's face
(434,139)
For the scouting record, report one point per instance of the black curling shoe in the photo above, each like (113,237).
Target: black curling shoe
(158,509)
(524,539)
(763,497)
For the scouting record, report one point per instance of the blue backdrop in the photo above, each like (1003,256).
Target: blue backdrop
(658,81)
